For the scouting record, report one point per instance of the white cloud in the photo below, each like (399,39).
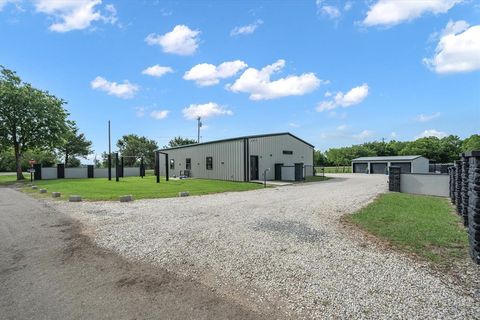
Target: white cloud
(348,6)
(331,11)
(432,133)
(342,127)
(157,71)
(427,117)
(204,111)
(3,3)
(355,96)
(140,112)
(248,29)
(75,14)
(125,90)
(181,40)
(206,74)
(257,83)
(392,12)
(458,49)
(393,135)
(159,114)
(363,135)
(293,125)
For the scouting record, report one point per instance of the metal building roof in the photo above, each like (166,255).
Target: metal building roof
(241,138)
(387,158)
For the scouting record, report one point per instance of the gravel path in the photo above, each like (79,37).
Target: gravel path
(280,249)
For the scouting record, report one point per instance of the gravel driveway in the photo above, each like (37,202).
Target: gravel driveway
(280,249)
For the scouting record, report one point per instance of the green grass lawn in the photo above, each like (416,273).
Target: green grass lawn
(341,169)
(8,179)
(424,225)
(102,189)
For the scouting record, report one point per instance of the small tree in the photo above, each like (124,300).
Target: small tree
(29,118)
(74,145)
(135,146)
(180,141)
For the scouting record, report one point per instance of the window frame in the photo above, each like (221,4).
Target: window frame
(188,164)
(209,163)
(172,164)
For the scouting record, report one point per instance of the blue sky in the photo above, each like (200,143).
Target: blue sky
(334,73)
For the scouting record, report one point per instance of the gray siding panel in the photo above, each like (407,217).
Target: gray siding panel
(227,160)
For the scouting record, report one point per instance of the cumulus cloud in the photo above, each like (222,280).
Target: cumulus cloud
(3,3)
(157,71)
(432,133)
(427,117)
(331,11)
(355,96)
(458,49)
(392,12)
(125,90)
(207,110)
(248,29)
(159,114)
(76,14)
(258,84)
(363,135)
(205,74)
(181,40)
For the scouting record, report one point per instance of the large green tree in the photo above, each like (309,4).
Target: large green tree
(133,147)
(29,118)
(471,143)
(74,145)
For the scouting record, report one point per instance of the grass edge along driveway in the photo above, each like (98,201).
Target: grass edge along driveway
(146,188)
(423,225)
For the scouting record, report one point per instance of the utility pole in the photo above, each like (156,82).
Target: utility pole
(199,125)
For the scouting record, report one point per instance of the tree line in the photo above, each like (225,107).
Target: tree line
(438,150)
(34,125)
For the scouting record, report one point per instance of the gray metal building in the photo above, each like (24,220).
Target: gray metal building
(243,158)
(408,164)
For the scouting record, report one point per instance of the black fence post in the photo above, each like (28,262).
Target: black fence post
(38,171)
(473,208)
(109,166)
(90,171)
(464,188)
(60,171)
(394,178)
(166,167)
(142,168)
(157,166)
(117,167)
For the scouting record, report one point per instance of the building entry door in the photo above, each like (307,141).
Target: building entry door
(253,167)
(298,171)
(278,171)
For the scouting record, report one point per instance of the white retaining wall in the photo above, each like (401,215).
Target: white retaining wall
(82,173)
(49,173)
(102,173)
(131,171)
(76,173)
(424,183)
